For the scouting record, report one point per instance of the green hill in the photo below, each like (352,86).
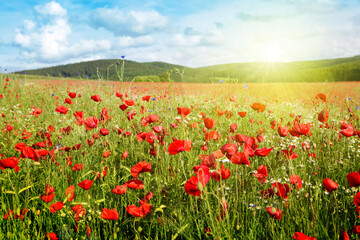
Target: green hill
(340,69)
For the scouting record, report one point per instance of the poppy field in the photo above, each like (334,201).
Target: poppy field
(111,160)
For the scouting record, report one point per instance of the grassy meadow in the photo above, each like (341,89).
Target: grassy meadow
(85,159)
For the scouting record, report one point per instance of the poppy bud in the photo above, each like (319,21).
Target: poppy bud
(273,210)
(200,187)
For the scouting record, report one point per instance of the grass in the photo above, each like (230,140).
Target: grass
(175,214)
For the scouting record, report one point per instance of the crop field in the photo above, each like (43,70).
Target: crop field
(112,160)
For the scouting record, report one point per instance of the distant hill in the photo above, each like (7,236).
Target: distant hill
(340,69)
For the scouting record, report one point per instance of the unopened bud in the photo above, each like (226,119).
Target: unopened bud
(273,210)
(200,187)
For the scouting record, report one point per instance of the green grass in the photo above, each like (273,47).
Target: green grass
(175,214)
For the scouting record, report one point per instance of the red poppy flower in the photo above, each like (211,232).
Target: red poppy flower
(19,146)
(296,180)
(212,135)
(223,173)
(61,109)
(96,98)
(123,107)
(302,236)
(141,211)
(179,146)
(261,174)
(72,94)
(120,189)
(258,107)
(191,186)
(242,114)
(78,167)
(282,190)
(129,102)
(79,213)
(119,95)
(86,184)
(146,198)
(146,98)
(330,185)
(52,236)
(263,152)
(229,148)
(357,199)
(79,118)
(29,152)
(209,123)
(240,158)
(26,135)
(183,111)
(323,116)
(56,206)
(353,179)
(90,123)
(109,214)
(356,229)
(274,213)
(203,174)
(299,129)
(36,111)
(283,131)
(139,168)
(68,101)
(104,131)
(149,119)
(125,154)
(47,197)
(289,154)
(70,193)
(11,162)
(135,184)
(344,236)
(321,96)
(348,131)
(49,189)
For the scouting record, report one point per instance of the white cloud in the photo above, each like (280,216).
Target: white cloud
(128,23)
(48,40)
(127,41)
(192,38)
(51,9)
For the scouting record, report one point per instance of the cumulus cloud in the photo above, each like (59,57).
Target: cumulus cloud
(48,39)
(192,38)
(131,23)
(51,9)
(142,41)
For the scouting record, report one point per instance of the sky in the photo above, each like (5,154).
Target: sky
(36,34)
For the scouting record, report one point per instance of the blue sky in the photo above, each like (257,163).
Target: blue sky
(193,33)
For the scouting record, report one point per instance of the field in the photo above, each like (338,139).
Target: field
(111,160)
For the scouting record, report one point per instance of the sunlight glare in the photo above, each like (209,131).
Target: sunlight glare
(273,54)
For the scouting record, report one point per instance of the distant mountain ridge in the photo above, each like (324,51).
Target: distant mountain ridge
(340,69)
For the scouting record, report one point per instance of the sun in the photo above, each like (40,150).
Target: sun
(273,54)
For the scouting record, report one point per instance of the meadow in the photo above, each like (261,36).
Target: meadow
(112,160)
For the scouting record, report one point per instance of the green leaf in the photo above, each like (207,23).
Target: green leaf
(178,232)
(25,188)
(99,201)
(160,208)
(9,192)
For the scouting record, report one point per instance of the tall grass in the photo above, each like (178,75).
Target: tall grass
(174,214)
